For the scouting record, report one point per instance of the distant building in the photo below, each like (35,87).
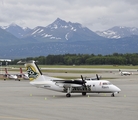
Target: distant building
(8,60)
(4,61)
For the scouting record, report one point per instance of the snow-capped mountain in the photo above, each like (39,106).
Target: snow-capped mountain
(66,31)
(7,38)
(16,30)
(63,31)
(118,32)
(61,37)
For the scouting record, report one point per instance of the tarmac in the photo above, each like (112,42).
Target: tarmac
(21,101)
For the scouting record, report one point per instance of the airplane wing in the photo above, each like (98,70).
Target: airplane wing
(61,83)
(69,83)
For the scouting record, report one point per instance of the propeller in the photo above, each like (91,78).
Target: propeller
(83,81)
(97,77)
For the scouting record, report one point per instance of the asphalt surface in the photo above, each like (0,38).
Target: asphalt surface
(21,101)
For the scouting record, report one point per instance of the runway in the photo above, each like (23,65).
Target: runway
(21,101)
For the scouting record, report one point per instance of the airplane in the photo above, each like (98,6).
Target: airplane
(39,80)
(9,76)
(22,75)
(125,73)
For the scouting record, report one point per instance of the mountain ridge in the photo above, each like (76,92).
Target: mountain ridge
(118,32)
(61,30)
(61,37)
(23,32)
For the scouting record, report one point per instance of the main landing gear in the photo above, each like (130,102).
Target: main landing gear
(68,95)
(83,93)
(112,95)
(69,88)
(68,92)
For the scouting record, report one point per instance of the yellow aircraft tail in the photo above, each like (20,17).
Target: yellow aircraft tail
(34,73)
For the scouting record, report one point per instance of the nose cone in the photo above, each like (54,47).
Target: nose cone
(116,89)
(119,90)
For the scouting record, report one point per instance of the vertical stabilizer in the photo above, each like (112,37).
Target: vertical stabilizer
(34,72)
(6,72)
(21,71)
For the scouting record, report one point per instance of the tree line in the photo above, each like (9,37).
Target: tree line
(84,59)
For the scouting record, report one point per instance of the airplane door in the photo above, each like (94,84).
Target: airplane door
(93,87)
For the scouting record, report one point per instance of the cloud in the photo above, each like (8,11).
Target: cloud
(94,14)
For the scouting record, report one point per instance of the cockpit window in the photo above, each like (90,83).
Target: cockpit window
(106,83)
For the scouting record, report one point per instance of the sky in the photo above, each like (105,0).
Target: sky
(97,15)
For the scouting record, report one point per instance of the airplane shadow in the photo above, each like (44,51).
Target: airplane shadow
(63,96)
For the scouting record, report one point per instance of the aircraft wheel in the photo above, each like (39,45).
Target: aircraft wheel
(83,93)
(68,95)
(112,95)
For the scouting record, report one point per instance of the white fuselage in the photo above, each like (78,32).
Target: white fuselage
(125,73)
(10,76)
(100,86)
(23,76)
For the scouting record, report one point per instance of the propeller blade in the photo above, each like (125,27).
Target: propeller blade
(83,81)
(97,76)
(81,77)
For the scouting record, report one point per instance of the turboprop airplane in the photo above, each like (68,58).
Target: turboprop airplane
(9,76)
(68,86)
(22,75)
